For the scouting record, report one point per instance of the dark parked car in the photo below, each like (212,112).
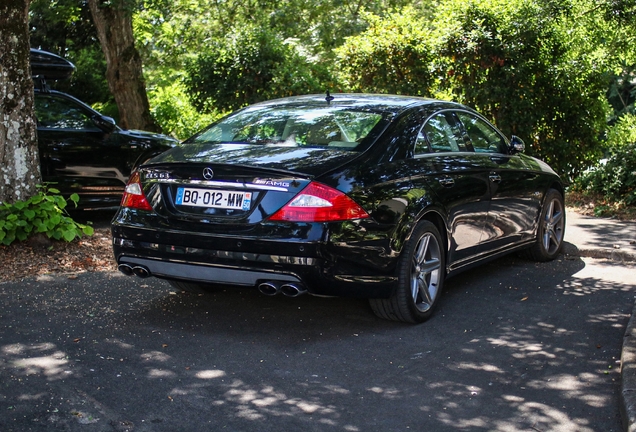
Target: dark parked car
(81,150)
(372,196)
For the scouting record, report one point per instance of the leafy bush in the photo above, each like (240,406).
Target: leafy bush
(614,178)
(515,62)
(622,132)
(392,56)
(249,66)
(44,213)
(512,60)
(171,108)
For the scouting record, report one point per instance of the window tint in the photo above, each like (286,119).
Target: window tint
(484,137)
(440,134)
(294,126)
(54,113)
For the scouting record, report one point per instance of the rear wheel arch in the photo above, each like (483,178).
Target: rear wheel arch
(420,274)
(436,218)
(432,215)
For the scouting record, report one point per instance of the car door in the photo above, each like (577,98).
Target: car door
(74,153)
(514,202)
(460,185)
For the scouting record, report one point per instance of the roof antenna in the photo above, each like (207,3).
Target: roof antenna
(329,98)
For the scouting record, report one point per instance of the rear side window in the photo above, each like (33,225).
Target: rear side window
(484,137)
(441,133)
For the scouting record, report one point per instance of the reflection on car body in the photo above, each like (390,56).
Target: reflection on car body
(371,196)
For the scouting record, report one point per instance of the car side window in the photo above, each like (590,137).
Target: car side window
(440,134)
(55,113)
(485,138)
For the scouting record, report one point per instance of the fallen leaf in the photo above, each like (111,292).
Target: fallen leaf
(524,299)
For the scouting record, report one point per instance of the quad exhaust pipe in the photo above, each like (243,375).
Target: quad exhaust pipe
(272,288)
(292,290)
(137,270)
(269,288)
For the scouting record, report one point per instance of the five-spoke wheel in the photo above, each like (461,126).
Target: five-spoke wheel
(420,278)
(551,228)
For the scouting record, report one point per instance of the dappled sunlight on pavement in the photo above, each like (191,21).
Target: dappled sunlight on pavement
(515,346)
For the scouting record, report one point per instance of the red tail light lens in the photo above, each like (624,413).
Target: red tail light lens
(320,203)
(134,196)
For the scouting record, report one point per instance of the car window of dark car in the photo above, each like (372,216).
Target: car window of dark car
(338,127)
(58,113)
(440,134)
(484,137)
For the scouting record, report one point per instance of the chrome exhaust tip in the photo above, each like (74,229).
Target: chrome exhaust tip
(141,272)
(292,290)
(125,269)
(269,288)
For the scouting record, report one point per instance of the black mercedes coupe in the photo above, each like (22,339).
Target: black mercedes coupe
(373,196)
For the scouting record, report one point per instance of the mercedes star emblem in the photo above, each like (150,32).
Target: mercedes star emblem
(208,173)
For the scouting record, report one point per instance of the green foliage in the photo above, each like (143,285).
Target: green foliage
(250,65)
(622,91)
(623,132)
(88,82)
(42,213)
(513,61)
(392,56)
(614,178)
(171,107)
(540,69)
(518,62)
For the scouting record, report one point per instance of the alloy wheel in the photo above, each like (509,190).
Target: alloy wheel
(425,272)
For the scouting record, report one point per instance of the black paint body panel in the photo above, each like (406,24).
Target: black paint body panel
(484,205)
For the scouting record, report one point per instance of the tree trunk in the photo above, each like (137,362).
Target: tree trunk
(19,162)
(113,20)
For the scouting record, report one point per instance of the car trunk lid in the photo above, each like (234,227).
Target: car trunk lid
(233,184)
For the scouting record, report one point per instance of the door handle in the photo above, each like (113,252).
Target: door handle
(495,178)
(447,181)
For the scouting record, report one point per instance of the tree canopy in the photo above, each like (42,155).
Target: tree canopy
(557,73)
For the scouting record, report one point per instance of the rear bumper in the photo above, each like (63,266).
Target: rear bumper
(321,274)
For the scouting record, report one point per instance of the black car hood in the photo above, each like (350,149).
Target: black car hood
(311,161)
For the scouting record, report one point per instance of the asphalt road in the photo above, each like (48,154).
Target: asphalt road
(514,346)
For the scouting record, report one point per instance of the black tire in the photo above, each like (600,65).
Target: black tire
(551,229)
(421,273)
(192,287)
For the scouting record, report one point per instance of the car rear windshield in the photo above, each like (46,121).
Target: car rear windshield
(333,126)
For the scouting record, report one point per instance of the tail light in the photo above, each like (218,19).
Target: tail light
(134,196)
(319,203)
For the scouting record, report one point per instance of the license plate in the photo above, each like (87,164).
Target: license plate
(214,198)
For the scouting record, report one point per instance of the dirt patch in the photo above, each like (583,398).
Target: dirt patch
(25,259)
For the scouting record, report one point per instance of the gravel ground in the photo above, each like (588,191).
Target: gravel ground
(33,258)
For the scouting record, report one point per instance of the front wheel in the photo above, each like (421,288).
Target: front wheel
(421,274)
(551,230)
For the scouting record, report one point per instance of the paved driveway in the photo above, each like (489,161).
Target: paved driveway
(514,346)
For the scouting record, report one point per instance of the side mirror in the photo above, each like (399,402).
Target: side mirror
(517,145)
(105,123)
